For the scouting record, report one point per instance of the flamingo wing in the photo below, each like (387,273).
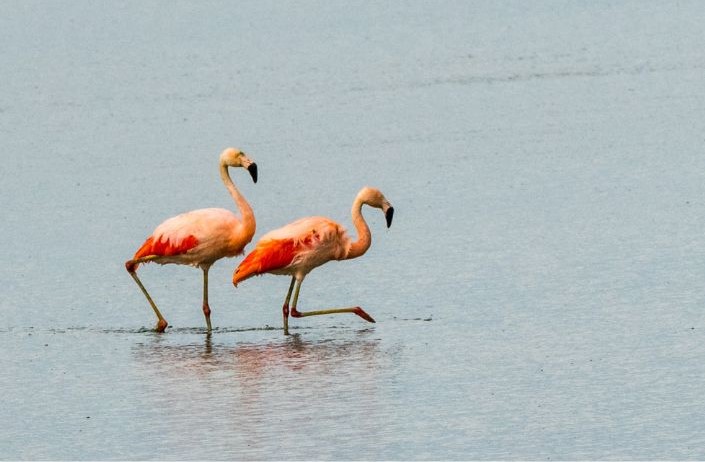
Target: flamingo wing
(269,255)
(178,235)
(166,246)
(292,245)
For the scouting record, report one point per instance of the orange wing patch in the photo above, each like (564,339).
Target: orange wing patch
(165,247)
(267,256)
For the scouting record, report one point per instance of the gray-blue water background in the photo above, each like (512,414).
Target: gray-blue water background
(541,292)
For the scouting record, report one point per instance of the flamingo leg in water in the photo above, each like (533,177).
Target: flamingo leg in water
(206,308)
(301,314)
(285,308)
(161,323)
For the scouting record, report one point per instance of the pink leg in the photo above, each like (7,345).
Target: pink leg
(285,308)
(162,324)
(356,310)
(207,314)
(206,308)
(300,314)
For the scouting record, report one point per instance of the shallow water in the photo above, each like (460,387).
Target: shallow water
(538,296)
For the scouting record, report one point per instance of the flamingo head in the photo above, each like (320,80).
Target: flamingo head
(374,198)
(233,157)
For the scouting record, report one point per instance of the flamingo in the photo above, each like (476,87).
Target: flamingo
(200,237)
(301,246)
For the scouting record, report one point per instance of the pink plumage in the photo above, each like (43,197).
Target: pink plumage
(296,248)
(200,237)
(301,246)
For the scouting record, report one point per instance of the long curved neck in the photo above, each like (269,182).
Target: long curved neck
(248,216)
(364,238)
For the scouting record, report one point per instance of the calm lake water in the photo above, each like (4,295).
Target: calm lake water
(540,295)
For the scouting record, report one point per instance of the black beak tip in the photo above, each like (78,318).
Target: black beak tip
(389,215)
(253,171)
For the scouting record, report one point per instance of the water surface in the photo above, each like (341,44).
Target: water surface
(538,296)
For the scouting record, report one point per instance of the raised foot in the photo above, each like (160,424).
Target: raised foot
(360,312)
(357,310)
(161,325)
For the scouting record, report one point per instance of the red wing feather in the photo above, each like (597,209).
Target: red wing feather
(165,247)
(267,256)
